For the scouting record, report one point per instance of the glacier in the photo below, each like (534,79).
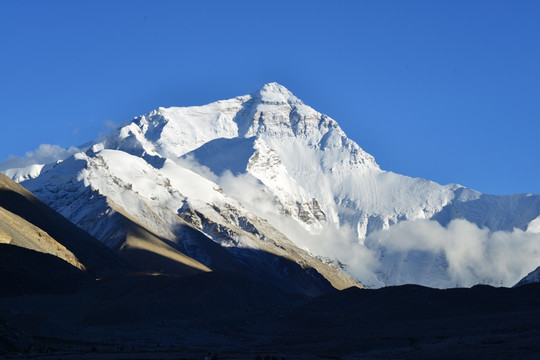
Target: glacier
(265,173)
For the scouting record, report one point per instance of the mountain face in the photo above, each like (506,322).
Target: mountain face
(264,184)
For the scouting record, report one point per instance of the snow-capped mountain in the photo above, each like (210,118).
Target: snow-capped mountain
(265,182)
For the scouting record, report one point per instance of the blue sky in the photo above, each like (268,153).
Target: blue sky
(448,91)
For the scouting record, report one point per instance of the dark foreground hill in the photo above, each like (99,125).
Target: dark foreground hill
(26,222)
(150,316)
(24,271)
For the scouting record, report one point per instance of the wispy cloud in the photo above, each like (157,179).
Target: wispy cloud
(110,124)
(45,154)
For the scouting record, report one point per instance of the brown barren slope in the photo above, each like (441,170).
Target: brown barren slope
(26,221)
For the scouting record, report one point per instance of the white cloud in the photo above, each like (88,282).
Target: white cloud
(45,154)
(190,163)
(468,254)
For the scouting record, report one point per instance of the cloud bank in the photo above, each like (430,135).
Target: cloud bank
(464,254)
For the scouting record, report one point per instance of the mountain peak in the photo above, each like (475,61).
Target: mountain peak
(274,93)
(274,87)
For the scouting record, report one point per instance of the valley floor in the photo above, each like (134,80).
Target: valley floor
(154,317)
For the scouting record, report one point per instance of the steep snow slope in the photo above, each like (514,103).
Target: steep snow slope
(25,173)
(265,171)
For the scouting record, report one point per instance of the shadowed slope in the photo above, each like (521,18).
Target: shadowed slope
(149,252)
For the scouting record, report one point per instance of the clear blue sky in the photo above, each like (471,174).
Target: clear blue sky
(445,90)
